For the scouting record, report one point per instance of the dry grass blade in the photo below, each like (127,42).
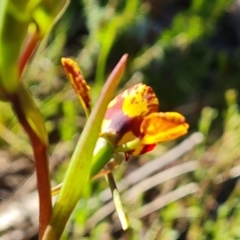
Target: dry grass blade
(168,198)
(132,193)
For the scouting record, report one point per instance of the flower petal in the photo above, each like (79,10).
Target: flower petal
(159,127)
(141,149)
(126,112)
(139,101)
(78,82)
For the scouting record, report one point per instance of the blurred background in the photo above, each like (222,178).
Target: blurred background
(188,51)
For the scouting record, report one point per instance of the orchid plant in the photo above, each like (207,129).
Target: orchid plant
(131,125)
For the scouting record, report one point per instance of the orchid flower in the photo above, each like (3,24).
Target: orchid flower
(134,125)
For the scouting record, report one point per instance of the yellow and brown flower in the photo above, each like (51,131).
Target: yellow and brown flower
(132,121)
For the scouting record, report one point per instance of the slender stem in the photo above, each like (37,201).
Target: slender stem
(41,161)
(44,187)
(28,50)
(117,201)
(129,145)
(102,154)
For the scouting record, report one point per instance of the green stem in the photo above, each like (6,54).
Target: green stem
(103,152)
(117,201)
(129,145)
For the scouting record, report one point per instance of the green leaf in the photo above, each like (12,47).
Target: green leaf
(22,10)
(47,14)
(3,6)
(13,33)
(32,114)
